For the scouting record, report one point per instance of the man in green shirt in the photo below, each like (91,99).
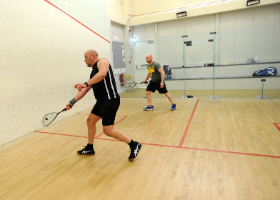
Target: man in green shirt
(157,83)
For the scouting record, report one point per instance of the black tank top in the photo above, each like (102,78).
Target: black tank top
(106,88)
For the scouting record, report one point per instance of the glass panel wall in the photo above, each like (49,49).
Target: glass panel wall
(217,64)
(242,51)
(199,56)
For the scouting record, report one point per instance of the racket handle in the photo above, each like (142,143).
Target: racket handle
(65,109)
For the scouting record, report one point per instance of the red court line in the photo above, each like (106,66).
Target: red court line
(276,125)
(61,134)
(88,114)
(79,135)
(170,146)
(219,151)
(81,114)
(232,152)
(114,124)
(188,125)
(76,20)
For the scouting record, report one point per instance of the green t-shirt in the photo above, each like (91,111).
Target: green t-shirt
(153,71)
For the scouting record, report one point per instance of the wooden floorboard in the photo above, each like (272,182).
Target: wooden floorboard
(205,149)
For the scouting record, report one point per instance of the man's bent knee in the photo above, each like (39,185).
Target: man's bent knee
(108,130)
(92,119)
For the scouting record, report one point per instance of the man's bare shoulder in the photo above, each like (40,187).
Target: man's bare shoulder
(102,62)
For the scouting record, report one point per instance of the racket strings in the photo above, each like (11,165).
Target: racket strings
(48,118)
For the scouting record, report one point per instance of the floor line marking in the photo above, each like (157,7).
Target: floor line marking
(89,114)
(61,134)
(82,114)
(114,124)
(170,146)
(188,125)
(276,125)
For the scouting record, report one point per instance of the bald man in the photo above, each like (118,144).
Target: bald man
(156,73)
(104,87)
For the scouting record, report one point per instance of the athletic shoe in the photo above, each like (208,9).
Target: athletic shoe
(149,107)
(134,151)
(86,151)
(173,107)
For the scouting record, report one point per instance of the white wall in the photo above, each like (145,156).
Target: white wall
(240,35)
(42,57)
(118,10)
(147,11)
(119,30)
(118,13)
(87,12)
(249,33)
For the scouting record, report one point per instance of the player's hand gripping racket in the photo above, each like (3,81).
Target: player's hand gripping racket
(50,117)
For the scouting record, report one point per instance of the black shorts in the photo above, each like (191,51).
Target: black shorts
(153,86)
(107,110)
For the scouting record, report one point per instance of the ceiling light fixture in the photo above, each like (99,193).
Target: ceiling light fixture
(253,2)
(181,14)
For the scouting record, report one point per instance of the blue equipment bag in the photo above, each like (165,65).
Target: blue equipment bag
(270,71)
(167,71)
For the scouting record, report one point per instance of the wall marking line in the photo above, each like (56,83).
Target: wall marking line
(77,21)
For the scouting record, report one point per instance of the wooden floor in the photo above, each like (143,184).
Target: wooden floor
(206,149)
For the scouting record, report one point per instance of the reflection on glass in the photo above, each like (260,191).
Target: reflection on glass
(205,65)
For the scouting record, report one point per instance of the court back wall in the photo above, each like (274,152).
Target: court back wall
(147,11)
(241,34)
(42,57)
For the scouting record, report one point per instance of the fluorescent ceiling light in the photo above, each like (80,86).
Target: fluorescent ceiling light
(252,2)
(181,14)
(192,6)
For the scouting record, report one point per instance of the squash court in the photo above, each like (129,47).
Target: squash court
(221,143)
(205,149)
